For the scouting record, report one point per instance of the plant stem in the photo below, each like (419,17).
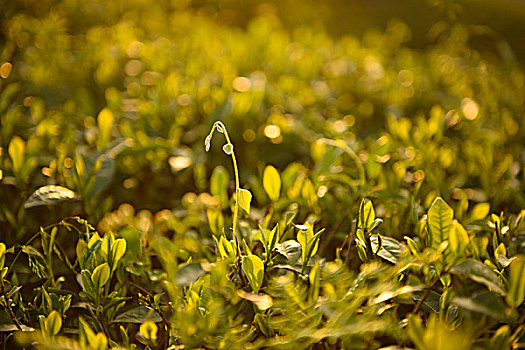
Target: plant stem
(221,128)
(425,294)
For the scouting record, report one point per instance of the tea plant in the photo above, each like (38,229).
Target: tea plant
(381,202)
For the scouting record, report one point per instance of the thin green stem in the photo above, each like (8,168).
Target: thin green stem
(222,129)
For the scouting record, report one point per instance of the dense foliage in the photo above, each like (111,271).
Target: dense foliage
(358,193)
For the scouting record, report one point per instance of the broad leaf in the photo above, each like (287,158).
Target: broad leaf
(138,314)
(390,248)
(105,123)
(253,268)
(16,150)
(458,239)
(188,274)
(480,273)
(47,195)
(272,182)
(366,214)
(226,248)
(245,197)
(487,303)
(53,323)
(100,276)
(291,250)
(516,291)
(439,223)
(118,250)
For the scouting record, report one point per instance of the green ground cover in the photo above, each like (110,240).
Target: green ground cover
(359,192)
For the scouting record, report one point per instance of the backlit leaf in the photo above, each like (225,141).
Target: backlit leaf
(366,214)
(440,217)
(53,323)
(272,182)
(480,273)
(16,150)
(253,268)
(516,291)
(47,195)
(100,276)
(245,197)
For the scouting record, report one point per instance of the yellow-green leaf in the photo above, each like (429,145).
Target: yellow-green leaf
(16,150)
(215,220)
(226,248)
(253,268)
(458,238)
(86,334)
(100,342)
(272,182)
(118,250)
(305,239)
(480,211)
(105,122)
(245,197)
(366,214)
(53,323)
(2,249)
(100,276)
(440,217)
(149,330)
(516,291)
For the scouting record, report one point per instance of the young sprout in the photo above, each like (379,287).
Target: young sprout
(246,195)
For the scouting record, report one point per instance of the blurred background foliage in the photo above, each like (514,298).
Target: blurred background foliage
(113,100)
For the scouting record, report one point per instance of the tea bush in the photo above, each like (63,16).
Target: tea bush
(374,199)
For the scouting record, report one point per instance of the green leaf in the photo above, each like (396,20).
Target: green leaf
(439,223)
(291,250)
(457,239)
(361,252)
(105,123)
(487,303)
(53,323)
(87,283)
(366,214)
(480,273)
(390,248)
(138,314)
(100,276)
(306,240)
(188,274)
(16,150)
(226,248)
(516,291)
(149,330)
(47,195)
(253,268)
(272,182)
(215,220)
(100,342)
(118,250)
(86,334)
(245,197)
(480,211)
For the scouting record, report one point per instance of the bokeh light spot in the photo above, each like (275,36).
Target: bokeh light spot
(272,131)
(241,84)
(249,135)
(68,163)
(469,108)
(179,162)
(5,70)
(133,68)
